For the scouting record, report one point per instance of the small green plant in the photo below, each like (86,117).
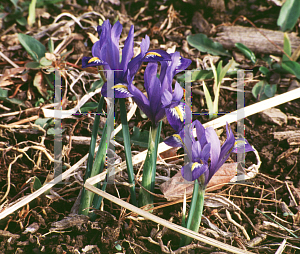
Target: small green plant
(219,74)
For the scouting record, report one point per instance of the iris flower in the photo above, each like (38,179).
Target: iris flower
(207,146)
(161,100)
(106,53)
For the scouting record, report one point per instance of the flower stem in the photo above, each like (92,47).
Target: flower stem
(127,146)
(149,171)
(195,213)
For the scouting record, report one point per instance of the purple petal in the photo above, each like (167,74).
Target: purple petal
(136,62)
(241,145)
(166,98)
(183,64)
(150,77)
(193,170)
(141,100)
(175,115)
(120,89)
(127,52)
(174,141)
(156,55)
(213,139)
(178,92)
(91,61)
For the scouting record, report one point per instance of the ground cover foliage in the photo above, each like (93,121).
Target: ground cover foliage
(49,223)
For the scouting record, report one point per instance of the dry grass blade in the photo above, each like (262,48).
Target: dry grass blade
(165,223)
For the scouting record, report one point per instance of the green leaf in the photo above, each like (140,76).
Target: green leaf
(15,3)
(208,99)
(246,51)
(36,183)
(97,84)
(286,47)
(31,13)
(43,122)
(264,70)
(225,70)
(270,90)
(258,88)
(204,44)
(197,75)
(33,65)
(50,45)
(289,14)
(292,67)
(4,97)
(89,106)
(34,48)
(52,131)
(21,21)
(45,62)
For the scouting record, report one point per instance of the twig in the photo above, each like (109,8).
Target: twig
(8,177)
(238,225)
(244,18)
(8,60)
(281,247)
(291,194)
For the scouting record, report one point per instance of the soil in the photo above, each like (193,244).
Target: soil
(50,224)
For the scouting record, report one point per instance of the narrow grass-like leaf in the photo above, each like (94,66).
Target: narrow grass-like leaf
(31,13)
(208,99)
(86,196)
(191,214)
(149,170)
(286,47)
(127,147)
(50,45)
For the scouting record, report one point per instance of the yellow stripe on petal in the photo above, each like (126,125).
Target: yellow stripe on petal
(179,113)
(93,59)
(119,86)
(178,137)
(153,54)
(194,166)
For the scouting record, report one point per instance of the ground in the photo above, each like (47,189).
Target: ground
(49,223)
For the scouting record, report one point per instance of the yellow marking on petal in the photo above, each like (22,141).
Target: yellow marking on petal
(239,142)
(178,137)
(93,59)
(119,86)
(179,113)
(193,166)
(153,54)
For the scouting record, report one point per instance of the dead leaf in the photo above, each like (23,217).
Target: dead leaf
(39,83)
(92,37)
(174,188)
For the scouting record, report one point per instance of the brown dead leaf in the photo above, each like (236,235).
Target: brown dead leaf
(174,188)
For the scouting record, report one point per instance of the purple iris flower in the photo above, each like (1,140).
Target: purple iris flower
(207,146)
(150,105)
(175,109)
(106,53)
(160,100)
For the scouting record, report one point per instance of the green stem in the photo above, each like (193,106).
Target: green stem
(86,196)
(149,171)
(127,146)
(195,213)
